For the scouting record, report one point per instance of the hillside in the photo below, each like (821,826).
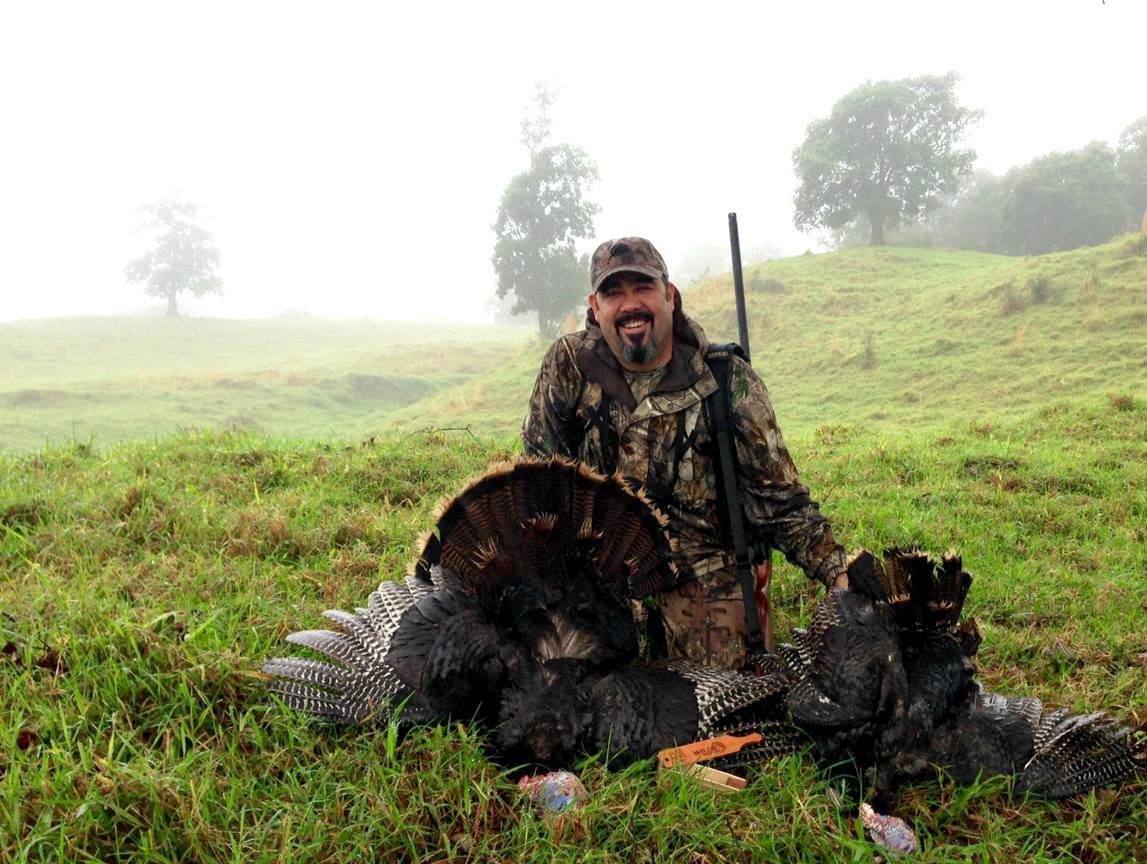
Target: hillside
(917,336)
(898,337)
(112,379)
(890,337)
(143,584)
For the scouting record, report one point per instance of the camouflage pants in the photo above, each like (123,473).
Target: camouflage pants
(705,618)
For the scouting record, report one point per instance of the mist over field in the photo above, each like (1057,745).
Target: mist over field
(277,278)
(350,162)
(353,164)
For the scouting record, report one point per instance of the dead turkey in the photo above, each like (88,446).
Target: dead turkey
(884,675)
(520,613)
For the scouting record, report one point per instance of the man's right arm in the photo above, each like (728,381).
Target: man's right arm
(551,426)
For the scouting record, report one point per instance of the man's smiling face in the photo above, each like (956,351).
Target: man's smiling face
(635,313)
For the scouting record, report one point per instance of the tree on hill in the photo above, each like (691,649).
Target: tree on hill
(702,262)
(1064,201)
(501,309)
(184,257)
(543,213)
(973,218)
(1055,202)
(887,152)
(1132,156)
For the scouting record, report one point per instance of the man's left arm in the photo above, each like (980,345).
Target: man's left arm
(775,503)
(550,427)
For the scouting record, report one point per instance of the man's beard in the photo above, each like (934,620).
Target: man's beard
(637,355)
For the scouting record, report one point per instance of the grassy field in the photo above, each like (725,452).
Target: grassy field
(209,486)
(894,337)
(899,338)
(113,379)
(143,585)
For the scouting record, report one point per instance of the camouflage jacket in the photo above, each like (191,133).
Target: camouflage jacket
(582,408)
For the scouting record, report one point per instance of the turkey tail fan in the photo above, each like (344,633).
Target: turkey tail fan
(1080,753)
(633,555)
(926,595)
(542,541)
(519,516)
(1067,754)
(866,576)
(358,682)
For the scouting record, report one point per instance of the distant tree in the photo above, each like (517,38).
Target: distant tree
(701,262)
(501,310)
(1132,160)
(973,218)
(543,213)
(537,125)
(1065,200)
(887,152)
(184,257)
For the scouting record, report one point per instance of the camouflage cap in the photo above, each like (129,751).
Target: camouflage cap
(626,255)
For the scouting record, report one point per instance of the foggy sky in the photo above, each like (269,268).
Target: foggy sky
(349,158)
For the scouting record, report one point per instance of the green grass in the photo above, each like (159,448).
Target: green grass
(113,379)
(890,337)
(917,337)
(141,586)
(896,338)
(995,405)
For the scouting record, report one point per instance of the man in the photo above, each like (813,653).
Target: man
(628,394)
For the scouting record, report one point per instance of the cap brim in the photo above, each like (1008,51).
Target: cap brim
(627,268)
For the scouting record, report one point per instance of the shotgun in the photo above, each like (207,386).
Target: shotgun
(762,573)
(739,286)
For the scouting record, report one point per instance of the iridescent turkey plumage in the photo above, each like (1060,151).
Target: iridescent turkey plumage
(519,614)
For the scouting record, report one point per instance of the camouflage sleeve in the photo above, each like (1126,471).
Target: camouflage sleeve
(777,507)
(551,427)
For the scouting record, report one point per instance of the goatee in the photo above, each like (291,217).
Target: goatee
(639,355)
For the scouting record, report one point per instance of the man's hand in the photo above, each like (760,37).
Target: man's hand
(834,570)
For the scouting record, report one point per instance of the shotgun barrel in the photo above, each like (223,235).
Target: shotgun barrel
(739,286)
(756,584)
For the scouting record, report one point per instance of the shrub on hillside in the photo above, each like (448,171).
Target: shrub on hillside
(868,356)
(766,284)
(1011,300)
(1121,401)
(1134,246)
(1039,287)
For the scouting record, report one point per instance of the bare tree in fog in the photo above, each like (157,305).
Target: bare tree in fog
(184,257)
(543,213)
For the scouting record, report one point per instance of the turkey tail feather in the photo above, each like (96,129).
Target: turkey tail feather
(1083,752)
(926,595)
(724,696)
(358,681)
(778,738)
